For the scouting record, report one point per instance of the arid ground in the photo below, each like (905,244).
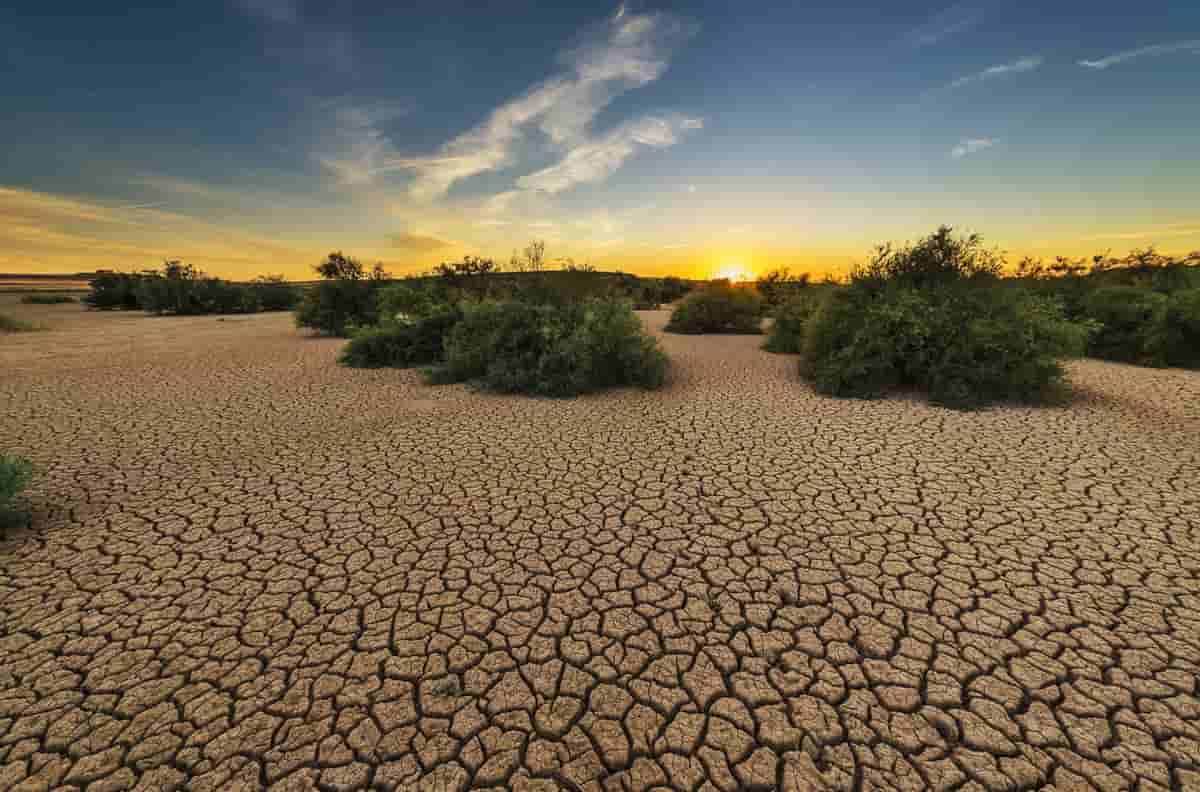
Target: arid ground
(250,567)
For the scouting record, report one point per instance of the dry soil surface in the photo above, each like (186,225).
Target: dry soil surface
(249,567)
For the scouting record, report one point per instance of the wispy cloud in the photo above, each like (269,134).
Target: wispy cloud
(954,20)
(1192,45)
(1026,64)
(1173,230)
(970,146)
(624,52)
(595,160)
(421,243)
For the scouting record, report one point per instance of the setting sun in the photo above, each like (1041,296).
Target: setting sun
(734,271)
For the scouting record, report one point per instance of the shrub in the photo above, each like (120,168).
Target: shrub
(1179,338)
(1131,319)
(780,286)
(334,307)
(551,350)
(787,327)
(718,308)
(114,290)
(345,300)
(11,324)
(404,301)
(47,299)
(419,342)
(942,323)
(273,293)
(15,473)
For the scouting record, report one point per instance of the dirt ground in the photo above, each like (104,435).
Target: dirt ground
(249,568)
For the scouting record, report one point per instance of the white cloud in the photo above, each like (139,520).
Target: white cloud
(1026,64)
(954,20)
(1192,45)
(970,146)
(595,160)
(624,52)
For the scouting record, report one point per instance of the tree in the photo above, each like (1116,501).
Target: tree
(338,266)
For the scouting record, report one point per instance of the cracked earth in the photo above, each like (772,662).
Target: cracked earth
(250,568)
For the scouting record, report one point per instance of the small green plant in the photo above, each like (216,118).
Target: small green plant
(47,299)
(11,324)
(787,328)
(718,308)
(15,473)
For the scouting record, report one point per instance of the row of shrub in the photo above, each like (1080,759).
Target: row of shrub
(47,299)
(348,296)
(1146,306)
(543,336)
(183,290)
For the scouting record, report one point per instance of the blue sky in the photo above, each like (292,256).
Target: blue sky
(253,135)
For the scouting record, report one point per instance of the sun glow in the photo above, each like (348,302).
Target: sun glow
(733,271)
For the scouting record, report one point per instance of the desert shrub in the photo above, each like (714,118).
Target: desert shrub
(718,308)
(114,291)
(405,301)
(942,323)
(346,299)
(47,299)
(334,307)
(780,286)
(551,350)
(1180,333)
(11,324)
(787,328)
(273,293)
(1130,319)
(402,344)
(15,473)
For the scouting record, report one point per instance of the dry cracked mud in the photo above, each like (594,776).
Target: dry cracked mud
(251,568)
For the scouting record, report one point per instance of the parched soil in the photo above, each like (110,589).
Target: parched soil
(249,567)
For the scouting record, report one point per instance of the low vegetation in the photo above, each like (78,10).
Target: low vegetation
(719,307)
(11,324)
(15,473)
(936,316)
(789,320)
(183,290)
(534,332)
(47,299)
(1146,306)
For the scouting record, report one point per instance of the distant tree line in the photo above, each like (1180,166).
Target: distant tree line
(181,289)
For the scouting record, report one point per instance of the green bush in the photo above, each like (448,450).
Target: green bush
(787,328)
(334,307)
(404,301)
(780,286)
(114,291)
(718,308)
(942,323)
(15,473)
(11,324)
(1131,320)
(47,299)
(1179,338)
(402,344)
(273,293)
(551,350)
